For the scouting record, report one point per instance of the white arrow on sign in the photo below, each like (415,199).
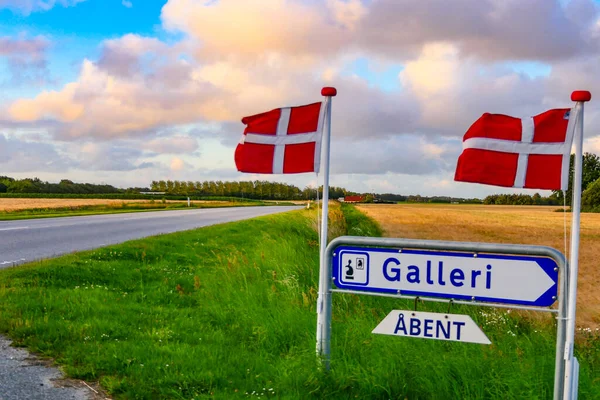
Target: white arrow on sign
(426,325)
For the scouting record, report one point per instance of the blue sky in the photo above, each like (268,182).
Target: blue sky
(167,82)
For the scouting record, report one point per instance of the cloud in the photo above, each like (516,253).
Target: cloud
(491,30)
(127,3)
(178,144)
(25,57)
(294,27)
(453,91)
(26,7)
(405,154)
(488,29)
(177,164)
(17,155)
(110,157)
(140,85)
(122,57)
(102,105)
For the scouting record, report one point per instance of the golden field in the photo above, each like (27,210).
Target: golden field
(25,204)
(502,224)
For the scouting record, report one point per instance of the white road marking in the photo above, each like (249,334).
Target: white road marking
(15,228)
(11,262)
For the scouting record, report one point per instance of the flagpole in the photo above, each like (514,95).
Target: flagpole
(569,385)
(324,299)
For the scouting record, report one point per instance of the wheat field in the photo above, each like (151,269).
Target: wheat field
(502,224)
(26,204)
(8,204)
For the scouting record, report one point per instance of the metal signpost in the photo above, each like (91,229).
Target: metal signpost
(483,274)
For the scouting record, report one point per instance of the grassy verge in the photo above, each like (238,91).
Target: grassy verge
(113,209)
(358,224)
(228,311)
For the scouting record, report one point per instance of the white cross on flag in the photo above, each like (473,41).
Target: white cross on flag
(282,141)
(529,153)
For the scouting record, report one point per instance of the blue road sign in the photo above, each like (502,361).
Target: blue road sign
(495,278)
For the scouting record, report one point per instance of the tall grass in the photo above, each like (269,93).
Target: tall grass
(228,311)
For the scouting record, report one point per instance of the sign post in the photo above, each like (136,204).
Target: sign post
(483,274)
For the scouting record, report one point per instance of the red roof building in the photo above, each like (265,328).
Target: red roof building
(354,199)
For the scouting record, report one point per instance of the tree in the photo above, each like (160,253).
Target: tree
(590,198)
(591,172)
(3,188)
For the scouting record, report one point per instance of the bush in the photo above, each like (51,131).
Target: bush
(590,198)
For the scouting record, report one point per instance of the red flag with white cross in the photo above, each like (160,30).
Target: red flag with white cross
(529,153)
(282,141)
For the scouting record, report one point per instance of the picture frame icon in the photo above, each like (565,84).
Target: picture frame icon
(353,268)
(360,263)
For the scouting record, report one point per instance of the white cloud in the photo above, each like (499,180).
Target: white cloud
(177,164)
(26,7)
(245,29)
(178,144)
(26,58)
(127,3)
(347,12)
(18,155)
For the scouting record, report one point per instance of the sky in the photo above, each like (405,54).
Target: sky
(129,91)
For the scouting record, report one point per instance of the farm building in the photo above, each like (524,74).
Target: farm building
(354,199)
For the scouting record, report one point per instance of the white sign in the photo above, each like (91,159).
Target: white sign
(509,279)
(426,325)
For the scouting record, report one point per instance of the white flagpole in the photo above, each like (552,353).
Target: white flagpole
(580,97)
(324,299)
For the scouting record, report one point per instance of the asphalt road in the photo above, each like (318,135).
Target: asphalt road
(23,376)
(33,239)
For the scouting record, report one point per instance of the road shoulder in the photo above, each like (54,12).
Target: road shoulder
(26,376)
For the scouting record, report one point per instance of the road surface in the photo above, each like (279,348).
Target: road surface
(33,239)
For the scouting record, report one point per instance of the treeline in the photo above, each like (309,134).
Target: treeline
(440,199)
(522,200)
(259,190)
(172,189)
(35,185)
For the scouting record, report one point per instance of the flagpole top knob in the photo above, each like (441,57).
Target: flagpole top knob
(328,91)
(581,95)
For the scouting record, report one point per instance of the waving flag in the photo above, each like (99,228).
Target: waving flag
(529,153)
(282,141)
(288,141)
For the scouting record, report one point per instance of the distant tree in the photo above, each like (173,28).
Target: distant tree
(590,173)
(3,187)
(590,198)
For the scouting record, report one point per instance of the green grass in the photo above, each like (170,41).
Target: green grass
(228,311)
(114,209)
(358,224)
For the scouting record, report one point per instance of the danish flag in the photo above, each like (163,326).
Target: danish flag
(282,141)
(529,153)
